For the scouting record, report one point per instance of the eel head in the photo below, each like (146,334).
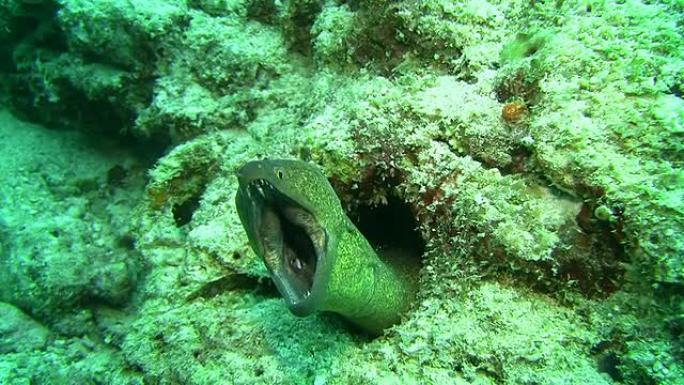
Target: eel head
(281,204)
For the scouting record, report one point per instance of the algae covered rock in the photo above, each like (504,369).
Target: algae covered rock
(529,155)
(65,241)
(18,332)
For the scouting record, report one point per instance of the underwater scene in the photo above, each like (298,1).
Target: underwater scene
(342,192)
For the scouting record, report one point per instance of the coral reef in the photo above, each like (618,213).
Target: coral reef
(531,151)
(69,243)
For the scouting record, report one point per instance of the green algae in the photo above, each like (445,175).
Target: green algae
(553,246)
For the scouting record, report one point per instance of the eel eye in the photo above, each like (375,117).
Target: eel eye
(280,173)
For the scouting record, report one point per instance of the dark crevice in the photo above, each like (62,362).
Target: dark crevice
(607,355)
(300,17)
(236,282)
(264,11)
(390,228)
(610,364)
(182,212)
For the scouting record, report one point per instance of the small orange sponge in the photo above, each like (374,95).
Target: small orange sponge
(514,112)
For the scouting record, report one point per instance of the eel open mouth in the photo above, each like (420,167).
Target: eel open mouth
(291,240)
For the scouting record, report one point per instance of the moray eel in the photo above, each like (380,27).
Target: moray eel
(318,259)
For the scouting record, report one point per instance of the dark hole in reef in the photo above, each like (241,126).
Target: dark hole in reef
(390,228)
(669,295)
(127,241)
(264,11)
(236,282)
(116,175)
(258,371)
(182,213)
(609,364)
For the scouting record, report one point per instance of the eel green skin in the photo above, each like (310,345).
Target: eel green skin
(318,259)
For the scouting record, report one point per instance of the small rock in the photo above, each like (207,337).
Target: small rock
(19,332)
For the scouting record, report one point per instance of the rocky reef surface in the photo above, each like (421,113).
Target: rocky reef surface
(529,153)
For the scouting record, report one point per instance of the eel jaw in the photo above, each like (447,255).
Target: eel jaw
(287,237)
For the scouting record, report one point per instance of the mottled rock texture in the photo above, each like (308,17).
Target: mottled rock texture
(553,248)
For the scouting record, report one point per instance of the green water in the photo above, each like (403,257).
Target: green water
(529,153)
